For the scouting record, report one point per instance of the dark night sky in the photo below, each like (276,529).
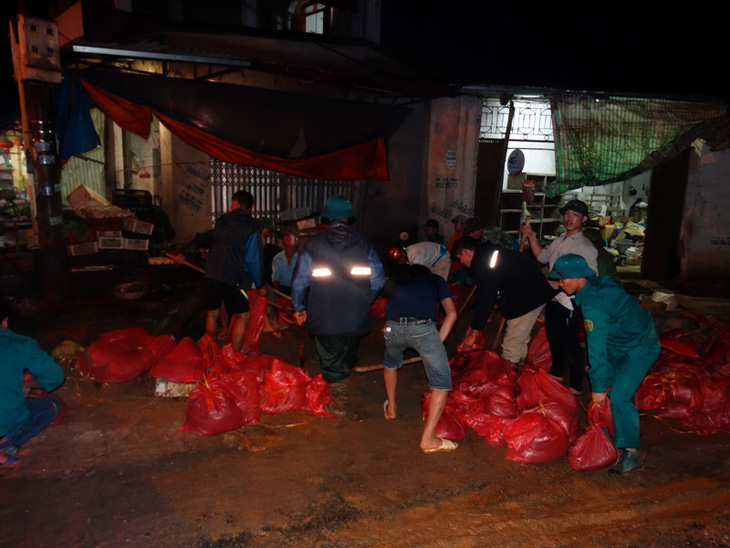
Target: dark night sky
(642,47)
(608,46)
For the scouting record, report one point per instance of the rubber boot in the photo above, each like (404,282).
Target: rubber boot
(628,461)
(338,393)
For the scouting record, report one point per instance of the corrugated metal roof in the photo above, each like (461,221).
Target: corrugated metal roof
(316,59)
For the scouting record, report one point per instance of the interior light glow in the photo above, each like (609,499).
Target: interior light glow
(360,271)
(321,272)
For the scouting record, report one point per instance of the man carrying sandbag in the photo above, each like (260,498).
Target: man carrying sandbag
(622,347)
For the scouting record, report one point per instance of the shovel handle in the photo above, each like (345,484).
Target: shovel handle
(180,259)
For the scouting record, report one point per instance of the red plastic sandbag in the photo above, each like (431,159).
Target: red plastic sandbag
(534,438)
(538,353)
(477,366)
(460,404)
(536,387)
(707,395)
(488,427)
(652,393)
(318,396)
(258,365)
(499,401)
(211,352)
(243,387)
(679,342)
(562,415)
(211,410)
(674,411)
(123,357)
(377,309)
(284,389)
(284,316)
(184,363)
(601,416)
(449,426)
(113,344)
(257,303)
(709,423)
(592,451)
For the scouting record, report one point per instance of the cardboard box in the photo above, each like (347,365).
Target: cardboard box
(110,243)
(88,248)
(136,244)
(138,227)
(82,196)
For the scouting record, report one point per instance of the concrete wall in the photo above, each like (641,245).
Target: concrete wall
(186,188)
(705,233)
(453,142)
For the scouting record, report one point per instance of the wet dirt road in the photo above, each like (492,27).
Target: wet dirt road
(120,473)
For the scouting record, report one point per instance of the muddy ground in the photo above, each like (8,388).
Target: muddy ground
(120,472)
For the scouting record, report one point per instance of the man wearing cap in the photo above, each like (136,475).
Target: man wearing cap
(622,347)
(337,277)
(512,280)
(234,265)
(282,266)
(433,256)
(458,223)
(432,231)
(474,228)
(562,320)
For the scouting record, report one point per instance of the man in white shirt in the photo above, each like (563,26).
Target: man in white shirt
(562,319)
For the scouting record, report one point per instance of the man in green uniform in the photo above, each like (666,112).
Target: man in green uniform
(622,347)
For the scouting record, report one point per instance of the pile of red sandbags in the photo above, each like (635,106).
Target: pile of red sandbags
(122,355)
(235,389)
(232,388)
(536,417)
(530,413)
(690,381)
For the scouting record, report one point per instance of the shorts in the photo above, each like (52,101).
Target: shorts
(424,339)
(217,291)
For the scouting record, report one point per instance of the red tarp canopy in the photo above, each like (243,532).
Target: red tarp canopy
(326,139)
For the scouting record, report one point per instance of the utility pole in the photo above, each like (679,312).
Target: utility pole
(36,60)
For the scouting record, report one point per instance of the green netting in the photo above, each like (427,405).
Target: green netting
(599,141)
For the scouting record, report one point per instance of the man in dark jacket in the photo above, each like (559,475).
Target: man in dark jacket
(234,265)
(514,282)
(337,277)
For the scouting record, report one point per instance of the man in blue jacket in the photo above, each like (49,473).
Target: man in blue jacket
(622,347)
(235,263)
(337,277)
(21,418)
